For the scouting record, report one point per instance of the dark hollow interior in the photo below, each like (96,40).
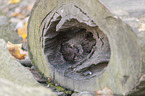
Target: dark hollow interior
(77,50)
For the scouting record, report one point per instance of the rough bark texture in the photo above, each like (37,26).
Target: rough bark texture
(125,65)
(133,13)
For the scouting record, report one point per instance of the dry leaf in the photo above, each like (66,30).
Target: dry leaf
(16,51)
(14,1)
(18,15)
(21,16)
(23,31)
(105,92)
(48,79)
(14,14)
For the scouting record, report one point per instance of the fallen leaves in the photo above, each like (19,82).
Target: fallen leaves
(105,92)
(18,15)
(13,1)
(23,31)
(21,12)
(16,51)
(14,14)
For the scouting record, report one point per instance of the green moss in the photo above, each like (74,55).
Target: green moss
(50,84)
(32,61)
(60,88)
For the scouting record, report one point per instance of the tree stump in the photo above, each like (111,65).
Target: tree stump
(84,46)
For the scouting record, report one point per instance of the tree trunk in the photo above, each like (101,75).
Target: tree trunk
(84,46)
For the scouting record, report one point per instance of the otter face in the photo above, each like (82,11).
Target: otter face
(71,52)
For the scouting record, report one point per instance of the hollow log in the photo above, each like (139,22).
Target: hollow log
(87,45)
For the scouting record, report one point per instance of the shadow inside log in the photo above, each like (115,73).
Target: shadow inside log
(79,51)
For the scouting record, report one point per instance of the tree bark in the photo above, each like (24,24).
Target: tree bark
(86,45)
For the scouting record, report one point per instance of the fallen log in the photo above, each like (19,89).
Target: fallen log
(84,45)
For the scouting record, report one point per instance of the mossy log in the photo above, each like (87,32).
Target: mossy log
(86,45)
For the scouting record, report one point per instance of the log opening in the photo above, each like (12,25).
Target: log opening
(75,48)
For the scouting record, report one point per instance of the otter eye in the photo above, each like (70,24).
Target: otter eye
(89,34)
